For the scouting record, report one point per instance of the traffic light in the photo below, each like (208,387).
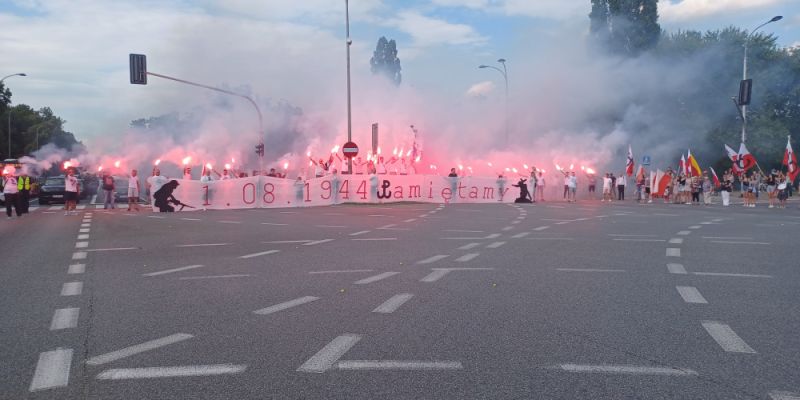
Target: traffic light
(260,149)
(138,65)
(745,89)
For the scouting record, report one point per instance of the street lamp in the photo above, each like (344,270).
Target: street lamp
(349,43)
(504,72)
(744,72)
(9,111)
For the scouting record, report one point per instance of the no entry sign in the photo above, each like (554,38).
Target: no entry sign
(350,149)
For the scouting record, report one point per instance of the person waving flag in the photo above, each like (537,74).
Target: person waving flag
(733,155)
(744,160)
(790,161)
(682,166)
(693,167)
(629,164)
(715,177)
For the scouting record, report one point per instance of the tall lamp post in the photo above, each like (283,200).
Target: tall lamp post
(349,110)
(744,72)
(504,72)
(9,111)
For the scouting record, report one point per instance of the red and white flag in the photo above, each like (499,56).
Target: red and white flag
(714,176)
(744,160)
(733,156)
(629,163)
(790,160)
(682,165)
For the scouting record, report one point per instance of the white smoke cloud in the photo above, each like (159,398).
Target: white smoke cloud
(481,89)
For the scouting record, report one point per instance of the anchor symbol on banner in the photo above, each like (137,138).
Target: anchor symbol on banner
(387,194)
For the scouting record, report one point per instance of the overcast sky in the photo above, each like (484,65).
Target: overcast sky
(75,52)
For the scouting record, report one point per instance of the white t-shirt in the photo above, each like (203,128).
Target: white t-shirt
(359,167)
(206,178)
(381,168)
(566,181)
(10,185)
(133,184)
(156,182)
(621,180)
(606,183)
(573,182)
(71,184)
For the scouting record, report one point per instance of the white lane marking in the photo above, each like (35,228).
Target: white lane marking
(65,318)
(137,349)
(388,226)
(588,270)
(728,237)
(367,365)
(76,269)
(463,238)
(79,255)
(462,231)
(555,220)
(263,253)
(717,220)
(705,223)
(514,222)
(84,230)
(550,238)
(359,233)
(410,220)
(230,222)
(520,217)
(333,214)
(676,269)
(202,245)
(627,369)
(86,225)
(286,305)
(508,228)
(328,355)
(170,372)
(52,370)
(345,271)
(331,226)
(394,302)
(495,245)
(317,242)
(781,395)
(192,278)
(375,239)
(735,242)
(638,240)
(690,294)
(467,257)
(541,228)
(726,337)
(520,235)
(169,271)
(673,252)
(71,288)
(563,222)
(667,215)
(469,246)
(156,216)
(732,275)
(676,241)
(695,227)
(622,235)
(435,275)
(83,236)
(80,207)
(555,207)
(191,219)
(288,212)
(81,245)
(492,236)
(54,208)
(273,224)
(115,249)
(433,259)
(684,233)
(376,278)
(287,241)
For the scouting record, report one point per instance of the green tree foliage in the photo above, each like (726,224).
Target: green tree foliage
(29,126)
(625,27)
(384,60)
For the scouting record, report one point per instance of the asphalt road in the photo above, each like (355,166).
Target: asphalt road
(407,301)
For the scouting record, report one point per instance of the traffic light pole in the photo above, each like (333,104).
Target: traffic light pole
(349,114)
(261,132)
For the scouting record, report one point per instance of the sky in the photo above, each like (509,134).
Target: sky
(75,52)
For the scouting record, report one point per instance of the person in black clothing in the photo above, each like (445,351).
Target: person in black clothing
(453,173)
(524,195)
(163,197)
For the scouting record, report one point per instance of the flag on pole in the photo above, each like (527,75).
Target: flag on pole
(744,160)
(790,161)
(654,187)
(714,176)
(693,166)
(682,165)
(663,182)
(629,164)
(733,155)
(640,174)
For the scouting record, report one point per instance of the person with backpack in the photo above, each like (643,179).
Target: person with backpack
(108,191)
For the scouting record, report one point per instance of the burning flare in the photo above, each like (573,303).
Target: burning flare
(116,164)
(157,162)
(186,160)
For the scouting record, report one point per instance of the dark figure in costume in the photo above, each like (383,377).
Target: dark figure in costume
(524,195)
(163,197)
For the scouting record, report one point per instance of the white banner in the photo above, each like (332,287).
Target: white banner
(267,192)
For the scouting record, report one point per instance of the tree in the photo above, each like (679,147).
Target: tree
(625,27)
(384,60)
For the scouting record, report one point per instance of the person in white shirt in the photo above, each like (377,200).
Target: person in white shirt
(540,185)
(206,178)
(359,166)
(380,167)
(155,182)
(403,168)
(187,173)
(133,191)
(573,187)
(607,188)
(70,192)
(621,181)
(11,192)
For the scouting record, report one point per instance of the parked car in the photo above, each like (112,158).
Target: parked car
(52,190)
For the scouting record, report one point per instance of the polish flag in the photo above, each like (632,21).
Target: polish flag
(655,186)
(744,160)
(714,176)
(682,166)
(692,166)
(790,160)
(733,155)
(629,164)
(640,174)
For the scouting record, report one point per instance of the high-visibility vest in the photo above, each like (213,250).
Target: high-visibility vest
(24,183)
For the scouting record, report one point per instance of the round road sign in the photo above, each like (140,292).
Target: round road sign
(350,149)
